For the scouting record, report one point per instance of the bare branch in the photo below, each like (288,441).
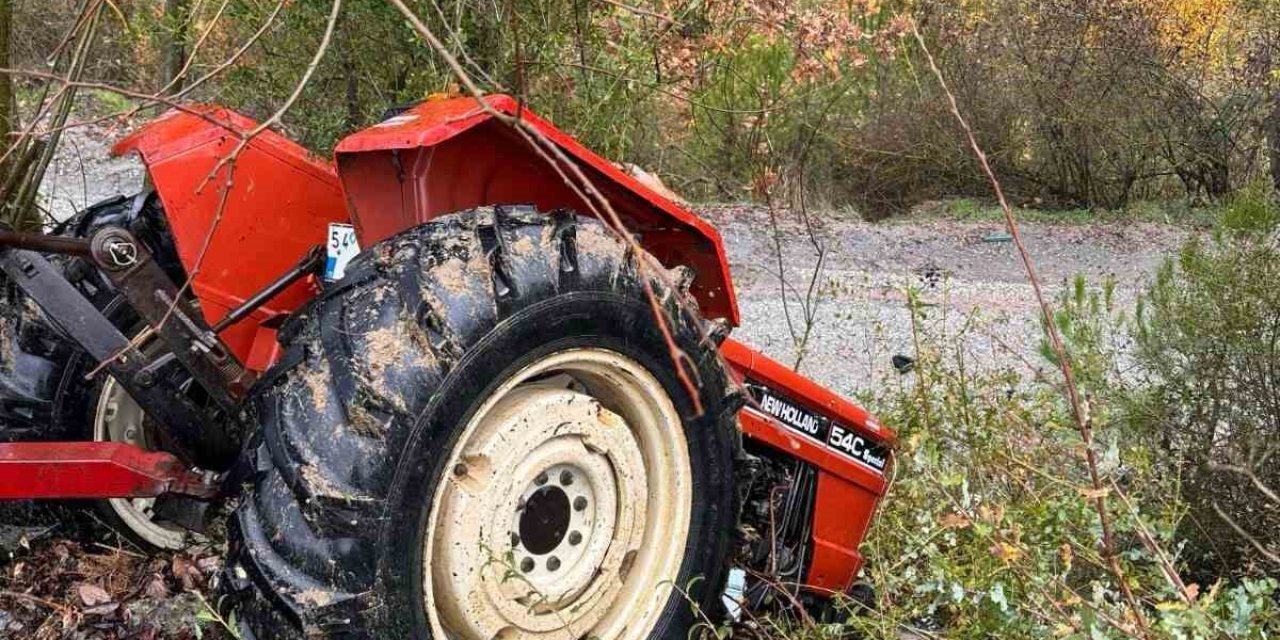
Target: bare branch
(1251,476)
(229,161)
(639,11)
(1269,555)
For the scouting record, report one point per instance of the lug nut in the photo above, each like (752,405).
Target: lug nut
(553,563)
(575,538)
(566,478)
(541,479)
(526,565)
(579,503)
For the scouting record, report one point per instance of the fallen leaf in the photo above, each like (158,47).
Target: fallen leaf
(102,609)
(210,564)
(92,595)
(955,521)
(186,571)
(1093,494)
(156,588)
(1006,551)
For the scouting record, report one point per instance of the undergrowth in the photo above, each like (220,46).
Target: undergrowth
(989,528)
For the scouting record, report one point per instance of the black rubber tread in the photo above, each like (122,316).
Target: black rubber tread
(322,543)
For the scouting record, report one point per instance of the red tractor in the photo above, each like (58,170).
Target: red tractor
(501,419)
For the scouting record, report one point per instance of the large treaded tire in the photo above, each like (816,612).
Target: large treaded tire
(355,431)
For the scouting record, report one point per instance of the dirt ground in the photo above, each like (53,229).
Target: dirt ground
(968,280)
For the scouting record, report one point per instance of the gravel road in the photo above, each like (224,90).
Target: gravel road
(966,283)
(861,318)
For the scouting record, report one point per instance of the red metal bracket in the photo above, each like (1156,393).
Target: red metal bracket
(41,470)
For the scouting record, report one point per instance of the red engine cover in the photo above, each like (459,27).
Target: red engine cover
(278,207)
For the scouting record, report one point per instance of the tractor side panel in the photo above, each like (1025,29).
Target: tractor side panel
(238,222)
(849,448)
(447,155)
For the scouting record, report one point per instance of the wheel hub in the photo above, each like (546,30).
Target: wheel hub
(544,521)
(556,525)
(557,500)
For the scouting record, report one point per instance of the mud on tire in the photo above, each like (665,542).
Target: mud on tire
(382,372)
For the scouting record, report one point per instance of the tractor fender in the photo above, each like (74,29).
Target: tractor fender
(453,154)
(240,222)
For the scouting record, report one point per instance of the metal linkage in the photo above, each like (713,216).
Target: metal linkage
(44,243)
(66,470)
(165,402)
(178,323)
(309,264)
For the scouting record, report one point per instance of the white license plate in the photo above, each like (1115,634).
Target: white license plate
(341,247)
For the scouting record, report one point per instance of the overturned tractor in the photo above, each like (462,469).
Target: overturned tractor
(516,413)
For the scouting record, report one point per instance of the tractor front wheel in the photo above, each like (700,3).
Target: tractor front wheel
(481,433)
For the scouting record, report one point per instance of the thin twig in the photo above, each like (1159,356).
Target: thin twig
(1251,476)
(639,11)
(1269,555)
(41,601)
(229,161)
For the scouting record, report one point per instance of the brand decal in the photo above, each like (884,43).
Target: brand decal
(842,440)
(789,414)
(857,447)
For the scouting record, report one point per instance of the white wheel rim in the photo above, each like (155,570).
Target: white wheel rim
(565,507)
(118,418)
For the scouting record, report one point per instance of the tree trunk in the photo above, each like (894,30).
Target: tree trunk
(1272,125)
(7,102)
(8,113)
(173,44)
(351,78)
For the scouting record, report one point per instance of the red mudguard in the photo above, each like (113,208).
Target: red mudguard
(448,155)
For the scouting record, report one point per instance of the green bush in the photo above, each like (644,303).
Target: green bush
(989,529)
(1208,347)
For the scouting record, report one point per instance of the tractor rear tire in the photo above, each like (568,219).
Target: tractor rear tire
(480,433)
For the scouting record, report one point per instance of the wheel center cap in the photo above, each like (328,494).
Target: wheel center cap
(545,520)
